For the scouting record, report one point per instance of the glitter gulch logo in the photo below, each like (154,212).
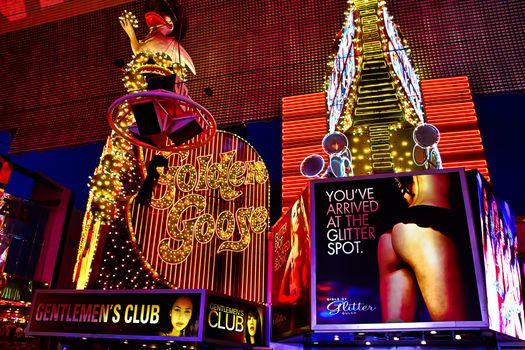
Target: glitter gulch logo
(343,306)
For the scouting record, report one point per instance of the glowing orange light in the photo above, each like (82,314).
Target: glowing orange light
(303,126)
(449,106)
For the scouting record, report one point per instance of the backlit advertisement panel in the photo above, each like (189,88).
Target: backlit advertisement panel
(497,225)
(22,226)
(234,321)
(291,269)
(138,314)
(395,251)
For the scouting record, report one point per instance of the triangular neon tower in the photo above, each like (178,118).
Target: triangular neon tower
(373,93)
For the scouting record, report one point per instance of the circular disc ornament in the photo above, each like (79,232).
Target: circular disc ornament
(426,135)
(312,165)
(335,142)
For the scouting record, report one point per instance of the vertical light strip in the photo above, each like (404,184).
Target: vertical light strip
(303,127)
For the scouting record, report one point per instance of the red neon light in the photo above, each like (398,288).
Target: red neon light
(46,3)
(452,80)
(458,88)
(13,10)
(441,108)
(448,105)
(304,126)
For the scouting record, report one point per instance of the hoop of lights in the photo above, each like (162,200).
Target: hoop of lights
(119,115)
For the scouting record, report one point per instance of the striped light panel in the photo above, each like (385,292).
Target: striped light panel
(449,106)
(304,126)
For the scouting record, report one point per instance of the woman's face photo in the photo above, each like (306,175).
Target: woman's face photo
(181,313)
(251,323)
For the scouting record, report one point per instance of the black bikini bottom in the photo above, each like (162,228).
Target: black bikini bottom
(443,220)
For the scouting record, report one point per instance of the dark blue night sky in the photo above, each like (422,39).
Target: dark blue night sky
(502,124)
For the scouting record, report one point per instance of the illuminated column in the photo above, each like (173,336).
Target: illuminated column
(373,92)
(376,105)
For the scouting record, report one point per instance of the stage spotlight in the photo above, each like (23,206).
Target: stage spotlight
(184,128)
(164,82)
(334,143)
(340,166)
(147,119)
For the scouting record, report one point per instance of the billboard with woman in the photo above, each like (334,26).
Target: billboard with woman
(183,317)
(405,251)
(291,269)
(123,314)
(497,227)
(233,321)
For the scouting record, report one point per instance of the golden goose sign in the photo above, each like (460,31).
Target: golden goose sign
(204,226)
